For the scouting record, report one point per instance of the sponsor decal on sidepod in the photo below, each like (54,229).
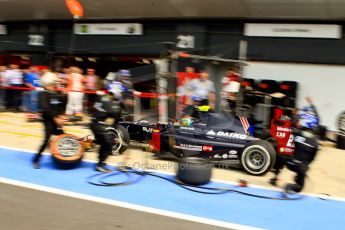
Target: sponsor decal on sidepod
(226,134)
(207,148)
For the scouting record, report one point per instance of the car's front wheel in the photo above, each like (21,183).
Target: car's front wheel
(258,157)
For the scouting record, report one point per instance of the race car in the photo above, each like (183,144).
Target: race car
(140,131)
(221,138)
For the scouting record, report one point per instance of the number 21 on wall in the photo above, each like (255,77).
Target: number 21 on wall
(185,41)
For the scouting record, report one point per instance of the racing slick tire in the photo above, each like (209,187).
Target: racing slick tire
(67,151)
(258,157)
(340,141)
(194,171)
(121,139)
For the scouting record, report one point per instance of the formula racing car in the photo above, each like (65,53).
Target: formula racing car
(223,139)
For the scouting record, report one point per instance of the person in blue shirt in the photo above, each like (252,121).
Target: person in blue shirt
(122,89)
(203,88)
(32,81)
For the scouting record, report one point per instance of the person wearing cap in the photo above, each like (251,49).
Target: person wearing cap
(124,88)
(203,88)
(106,106)
(52,105)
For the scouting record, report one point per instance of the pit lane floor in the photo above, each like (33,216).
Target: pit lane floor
(326,174)
(14,165)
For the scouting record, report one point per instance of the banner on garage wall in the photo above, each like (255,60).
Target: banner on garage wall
(292,30)
(3,30)
(109,29)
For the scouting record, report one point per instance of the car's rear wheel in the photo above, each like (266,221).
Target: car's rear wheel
(121,139)
(258,157)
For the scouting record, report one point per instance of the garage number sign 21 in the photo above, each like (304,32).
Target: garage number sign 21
(185,41)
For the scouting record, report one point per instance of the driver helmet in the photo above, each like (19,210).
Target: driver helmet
(307,118)
(187,121)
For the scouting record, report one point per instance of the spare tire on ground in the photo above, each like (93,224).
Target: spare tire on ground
(340,141)
(67,151)
(194,171)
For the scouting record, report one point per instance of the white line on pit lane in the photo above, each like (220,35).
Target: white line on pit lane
(128,205)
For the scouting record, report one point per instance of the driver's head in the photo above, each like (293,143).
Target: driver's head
(187,121)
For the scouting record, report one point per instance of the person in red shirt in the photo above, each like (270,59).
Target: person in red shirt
(92,85)
(75,87)
(230,90)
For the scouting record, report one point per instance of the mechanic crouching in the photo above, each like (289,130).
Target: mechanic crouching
(106,106)
(305,149)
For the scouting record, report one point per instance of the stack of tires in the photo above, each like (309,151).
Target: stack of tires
(341,132)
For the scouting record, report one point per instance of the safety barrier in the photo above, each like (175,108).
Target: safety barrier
(162,97)
(135,93)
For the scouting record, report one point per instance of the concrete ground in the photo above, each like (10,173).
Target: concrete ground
(325,175)
(32,209)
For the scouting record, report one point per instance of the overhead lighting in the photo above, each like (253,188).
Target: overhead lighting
(92,59)
(78,59)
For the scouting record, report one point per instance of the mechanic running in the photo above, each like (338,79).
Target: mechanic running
(52,105)
(306,147)
(108,106)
